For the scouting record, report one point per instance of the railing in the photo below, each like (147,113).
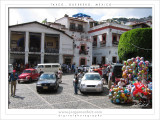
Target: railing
(76,29)
(17,49)
(51,50)
(83,52)
(94,44)
(33,49)
(103,43)
(115,43)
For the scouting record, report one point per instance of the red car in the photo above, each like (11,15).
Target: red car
(29,75)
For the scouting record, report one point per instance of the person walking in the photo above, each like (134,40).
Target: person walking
(109,79)
(80,75)
(60,74)
(104,74)
(76,84)
(13,79)
(76,70)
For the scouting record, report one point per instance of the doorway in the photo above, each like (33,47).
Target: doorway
(82,61)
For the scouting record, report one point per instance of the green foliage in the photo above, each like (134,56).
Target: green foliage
(134,43)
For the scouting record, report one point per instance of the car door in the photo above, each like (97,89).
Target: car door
(36,74)
(33,75)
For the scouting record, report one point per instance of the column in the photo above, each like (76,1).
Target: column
(26,47)
(60,59)
(109,38)
(42,42)
(42,47)
(99,39)
(42,57)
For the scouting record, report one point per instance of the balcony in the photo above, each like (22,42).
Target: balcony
(34,49)
(83,52)
(103,43)
(94,44)
(51,50)
(17,49)
(115,43)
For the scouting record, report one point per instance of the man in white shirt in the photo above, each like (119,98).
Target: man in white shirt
(121,83)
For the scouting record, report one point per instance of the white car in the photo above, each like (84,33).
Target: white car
(91,82)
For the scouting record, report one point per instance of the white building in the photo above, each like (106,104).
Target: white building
(77,39)
(105,39)
(35,43)
(77,28)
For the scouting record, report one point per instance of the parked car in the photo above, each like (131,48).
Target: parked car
(47,81)
(91,82)
(28,75)
(116,72)
(48,67)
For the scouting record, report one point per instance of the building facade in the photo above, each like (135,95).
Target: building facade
(33,43)
(78,29)
(105,39)
(75,40)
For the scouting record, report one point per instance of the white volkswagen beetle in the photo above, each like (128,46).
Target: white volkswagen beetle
(91,82)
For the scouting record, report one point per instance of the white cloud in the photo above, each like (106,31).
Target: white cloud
(14,17)
(32,14)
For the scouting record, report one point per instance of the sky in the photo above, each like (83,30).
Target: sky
(23,15)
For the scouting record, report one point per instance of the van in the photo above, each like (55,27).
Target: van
(10,68)
(48,67)
(116,72)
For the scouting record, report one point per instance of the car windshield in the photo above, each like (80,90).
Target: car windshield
(47,76)
(27,71)
(92,77)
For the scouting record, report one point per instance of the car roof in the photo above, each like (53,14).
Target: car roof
(48,73)
(49,64)
(93,73)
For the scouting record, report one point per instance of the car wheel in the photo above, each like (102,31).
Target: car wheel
(38,91)
(19,82)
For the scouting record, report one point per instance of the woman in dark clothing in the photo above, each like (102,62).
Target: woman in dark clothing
(76,84)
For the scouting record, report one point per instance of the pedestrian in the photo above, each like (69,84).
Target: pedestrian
(76,70)
(67,68)
(121,83)
(104,75)
(13,80)
(60,74)
(80,75)
(107,73)
(73,68)
(76,85)
(109,79)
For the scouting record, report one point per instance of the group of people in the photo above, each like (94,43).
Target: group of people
(68,68)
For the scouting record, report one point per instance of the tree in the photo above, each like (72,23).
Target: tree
(136,42)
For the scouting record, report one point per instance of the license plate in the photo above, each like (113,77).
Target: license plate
(45,87)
